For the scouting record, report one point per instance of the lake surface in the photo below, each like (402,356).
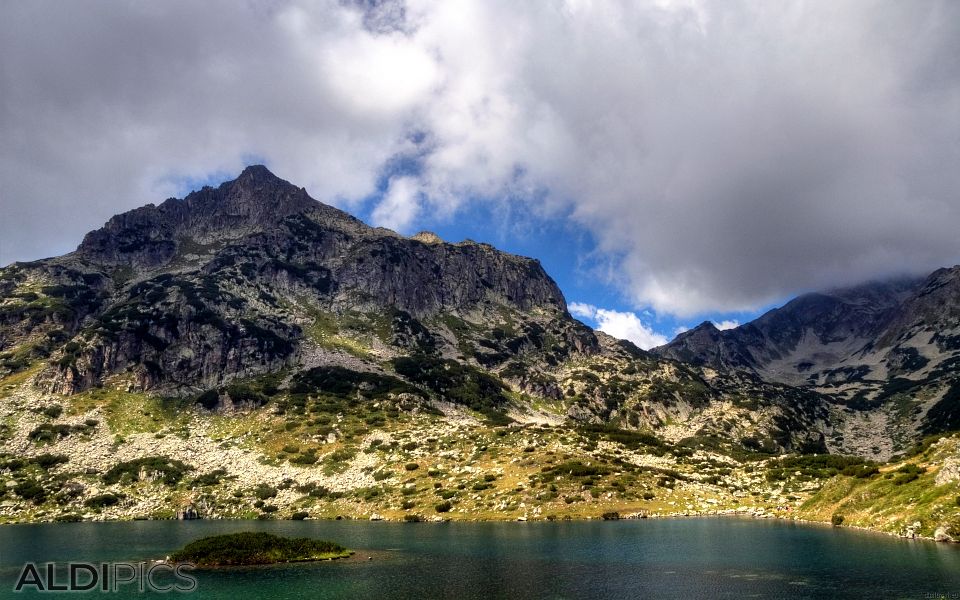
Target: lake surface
(682,558)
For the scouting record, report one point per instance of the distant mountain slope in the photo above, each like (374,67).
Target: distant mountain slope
(890,349)
(804,339)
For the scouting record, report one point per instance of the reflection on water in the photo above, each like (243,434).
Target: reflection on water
(685,558)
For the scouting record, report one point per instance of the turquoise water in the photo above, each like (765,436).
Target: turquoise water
(683,558)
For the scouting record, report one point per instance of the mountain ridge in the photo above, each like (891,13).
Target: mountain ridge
(223,286)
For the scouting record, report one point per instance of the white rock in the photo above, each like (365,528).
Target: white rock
(942,535)
(949,472)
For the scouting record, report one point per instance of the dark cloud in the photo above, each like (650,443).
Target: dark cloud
(724,154)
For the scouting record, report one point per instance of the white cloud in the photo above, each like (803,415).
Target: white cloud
(627,326)
(680,329)
(581,309)
(378,76)
(623,325)
(722,153)
(399,207)
(728,324)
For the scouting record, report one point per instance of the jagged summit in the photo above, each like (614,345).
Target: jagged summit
(258,172)
(151,235)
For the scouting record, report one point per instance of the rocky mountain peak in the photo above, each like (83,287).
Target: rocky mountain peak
(706,326)
(705,332)
(257,173)
(706,345)
(151,236)
(254,275)
(256,198)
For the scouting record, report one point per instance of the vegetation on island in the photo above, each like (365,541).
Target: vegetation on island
(256,548)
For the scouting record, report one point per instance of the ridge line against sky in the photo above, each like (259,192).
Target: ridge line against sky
(668,160)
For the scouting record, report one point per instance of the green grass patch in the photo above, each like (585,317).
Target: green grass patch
(256,548)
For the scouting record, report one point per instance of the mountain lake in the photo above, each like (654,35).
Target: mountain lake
(723,557)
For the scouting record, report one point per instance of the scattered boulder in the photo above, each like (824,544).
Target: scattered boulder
(942,534)
(949,472)
(188,513)
(911,530)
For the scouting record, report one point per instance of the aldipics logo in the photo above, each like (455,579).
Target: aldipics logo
(106,577)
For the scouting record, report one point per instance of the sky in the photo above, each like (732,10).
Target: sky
(669,161)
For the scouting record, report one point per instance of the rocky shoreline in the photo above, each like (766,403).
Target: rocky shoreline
(744,513)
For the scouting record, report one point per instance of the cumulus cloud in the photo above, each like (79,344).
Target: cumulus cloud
(724,154)
(582,310)
(729,324)
(399,207)
(110,106)
(623,325)
(627,326)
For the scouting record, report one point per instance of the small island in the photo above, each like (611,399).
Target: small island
(256,548)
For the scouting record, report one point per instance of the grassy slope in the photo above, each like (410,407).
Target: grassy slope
(400,461)
(888,502)
(385,458)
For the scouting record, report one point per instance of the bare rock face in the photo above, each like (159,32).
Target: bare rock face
(176,344)
(427,237)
